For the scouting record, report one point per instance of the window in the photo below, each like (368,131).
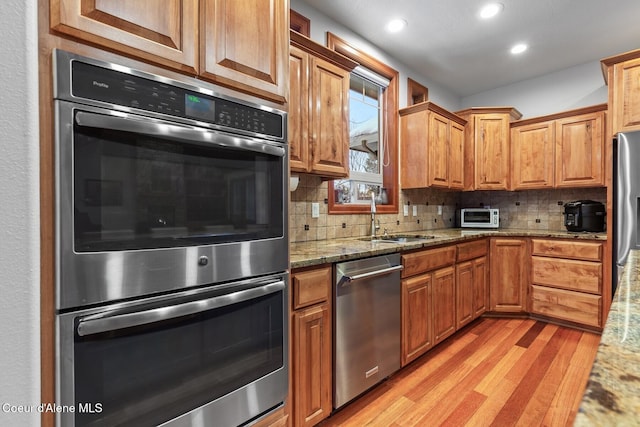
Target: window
(373,104)
(366,136)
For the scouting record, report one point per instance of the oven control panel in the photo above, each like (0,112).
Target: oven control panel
(121,88)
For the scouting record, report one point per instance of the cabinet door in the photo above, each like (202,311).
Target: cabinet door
(298,119)
(329,119)
(245,45)
(464,293)
(456,156)
(507,274)
(312,367)
(480,286)
(165,33)
(580,151)
(444,303)
(438,151)
(417,327)
(413,150)
(532,155)
(626,96)
(492,152)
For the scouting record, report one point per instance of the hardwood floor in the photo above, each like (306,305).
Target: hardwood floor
(495,372)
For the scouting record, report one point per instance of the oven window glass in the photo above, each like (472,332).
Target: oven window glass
(150,374)
(139,192)
(477,217)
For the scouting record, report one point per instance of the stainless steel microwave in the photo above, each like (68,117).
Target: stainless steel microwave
(479,218)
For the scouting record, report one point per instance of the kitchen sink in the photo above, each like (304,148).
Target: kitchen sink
(396,238)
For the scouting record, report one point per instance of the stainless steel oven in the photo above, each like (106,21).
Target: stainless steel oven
(171,249)
(162,185)
(204,357)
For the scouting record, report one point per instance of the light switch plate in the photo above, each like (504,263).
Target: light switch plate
(315,210)
(405,209)
(439,209)
(415,210)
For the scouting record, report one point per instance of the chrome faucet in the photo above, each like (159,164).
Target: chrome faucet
(374,226)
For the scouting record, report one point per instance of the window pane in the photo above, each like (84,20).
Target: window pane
(364,134)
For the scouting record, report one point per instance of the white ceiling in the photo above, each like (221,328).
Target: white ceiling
(446,42)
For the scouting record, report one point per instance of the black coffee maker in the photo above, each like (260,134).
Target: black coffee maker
(584,215)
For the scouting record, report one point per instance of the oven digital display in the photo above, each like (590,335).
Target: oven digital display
(199,108)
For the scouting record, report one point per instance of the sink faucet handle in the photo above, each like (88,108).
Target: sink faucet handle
(386,232)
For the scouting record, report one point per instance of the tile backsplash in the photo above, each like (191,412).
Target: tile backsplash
(534,209)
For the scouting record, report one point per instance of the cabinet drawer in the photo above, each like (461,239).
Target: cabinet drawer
(566,305)
(587,251)
(472,250)
(311,286)
(423,261)
(583,276)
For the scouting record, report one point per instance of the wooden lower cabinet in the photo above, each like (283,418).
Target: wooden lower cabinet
(444,303)
(311,346)
(312,365)
(417,326)
(471,290)
(508,275)
(567,280)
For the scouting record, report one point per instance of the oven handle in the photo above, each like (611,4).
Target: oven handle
(94,325)
(152,127)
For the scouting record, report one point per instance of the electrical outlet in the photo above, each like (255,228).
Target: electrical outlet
(415,210)
(315,210)
(405,210)
(439,209)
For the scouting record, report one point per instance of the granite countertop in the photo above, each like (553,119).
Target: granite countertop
(305,254)
(612,397)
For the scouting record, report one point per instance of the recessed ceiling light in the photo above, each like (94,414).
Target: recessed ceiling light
(491,10)
(519,48)
(396,25)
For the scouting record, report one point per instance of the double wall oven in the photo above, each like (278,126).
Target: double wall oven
(171,250)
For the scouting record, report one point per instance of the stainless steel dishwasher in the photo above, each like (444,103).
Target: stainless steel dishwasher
(367,324)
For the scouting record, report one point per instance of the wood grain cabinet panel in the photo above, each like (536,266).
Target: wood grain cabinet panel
(427,260)
(533,156)
(470,250)
(464,294)
(487,153)
(583,276)
(508,275)
(417,324)
(444,303)
(312,367)
(624,92)
(580,151)
(571,249)
(571,306)
(245,45)
(318,120)
(480,286)
(162,32)
(311,286)
(432,147)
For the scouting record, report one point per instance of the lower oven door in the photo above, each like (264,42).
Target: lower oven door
(212,356)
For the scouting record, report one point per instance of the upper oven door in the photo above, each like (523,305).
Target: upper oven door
(146,205)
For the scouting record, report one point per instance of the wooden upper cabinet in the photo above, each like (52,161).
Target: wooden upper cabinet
(245,45)
(580,150)
(492,152)
(432,153)
(532,156)
(486,153)
(241,44)
(162,32)
(318,108)
(329,140)
(298,122)
(562,150)
(622,73)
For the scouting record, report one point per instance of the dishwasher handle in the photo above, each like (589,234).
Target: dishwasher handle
(371,274)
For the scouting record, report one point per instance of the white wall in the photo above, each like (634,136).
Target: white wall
(575,87)
(19,213)
(320,24)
